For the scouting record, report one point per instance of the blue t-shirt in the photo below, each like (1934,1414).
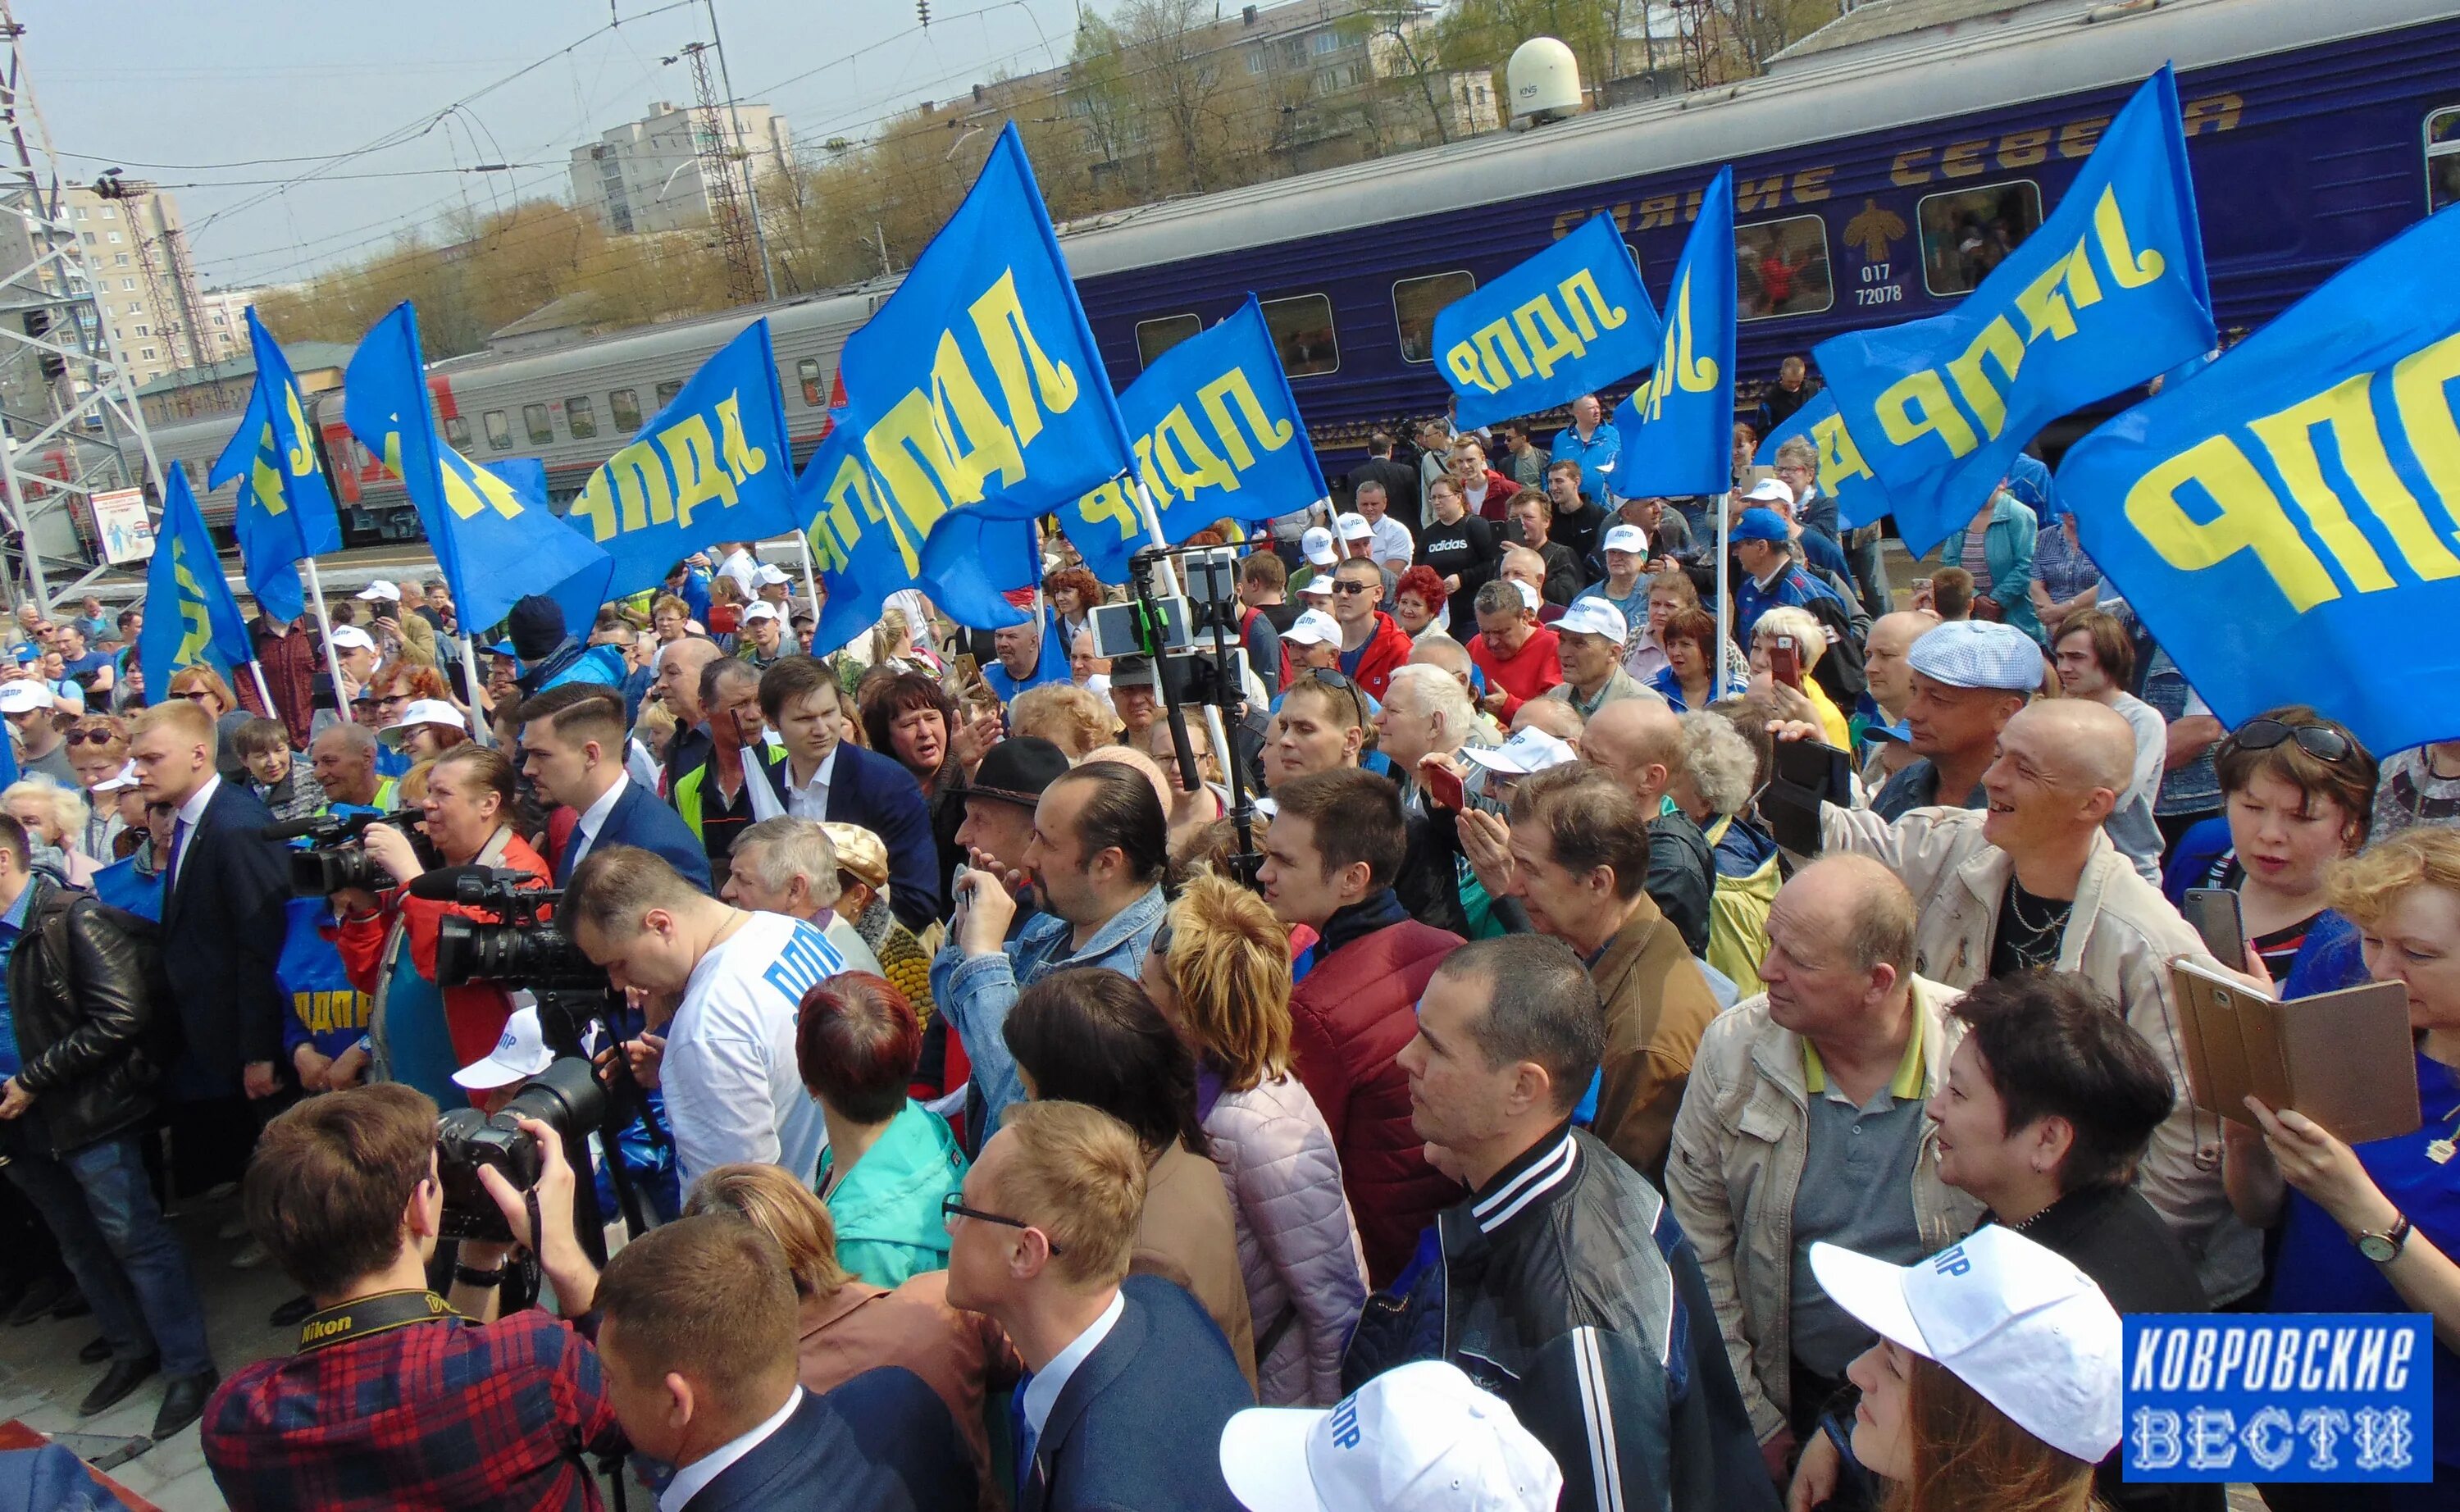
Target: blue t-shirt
(12,924)
(2320,1270)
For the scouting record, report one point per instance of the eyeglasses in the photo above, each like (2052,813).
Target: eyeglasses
(2323,742)
(953,1206)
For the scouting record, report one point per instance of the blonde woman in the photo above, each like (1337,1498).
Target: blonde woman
(1219,971)
(54,818)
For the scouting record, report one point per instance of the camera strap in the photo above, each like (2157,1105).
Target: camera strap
(380,1313)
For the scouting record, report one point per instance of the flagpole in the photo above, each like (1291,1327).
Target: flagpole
(262,691)
(481,729)
(1725,597)
(1169,569)
(325,632)
(811,587)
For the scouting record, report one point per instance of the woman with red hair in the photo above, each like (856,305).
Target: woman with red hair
(890,1161)
(1419,602)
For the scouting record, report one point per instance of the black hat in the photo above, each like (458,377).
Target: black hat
(1016,771)
(1135,671)
(537,627)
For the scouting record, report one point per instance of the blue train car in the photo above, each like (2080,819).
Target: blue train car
(1868,190)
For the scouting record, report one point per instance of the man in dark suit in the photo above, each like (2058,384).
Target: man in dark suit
(1129,1381)
(702,1377)
(225,914)
(572,751)
(828,779)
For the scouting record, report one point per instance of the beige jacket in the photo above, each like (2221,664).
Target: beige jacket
(2120,938)
(1737,1161)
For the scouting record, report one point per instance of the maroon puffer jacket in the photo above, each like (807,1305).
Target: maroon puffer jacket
(1350,1019)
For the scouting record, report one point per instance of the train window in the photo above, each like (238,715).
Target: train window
(534,419)
(580,416)
(1416,304)
(625,406)
(457,433)
(1302,328)
(807,373)
(668,389)
(2442,159)
(1968,233)
(1781,269)
(1154,337)
(499,430)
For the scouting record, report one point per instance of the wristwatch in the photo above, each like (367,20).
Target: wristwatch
(2383,1247)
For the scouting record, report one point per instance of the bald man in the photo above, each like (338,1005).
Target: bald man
(677,685)
(1638,743)
(2030,881)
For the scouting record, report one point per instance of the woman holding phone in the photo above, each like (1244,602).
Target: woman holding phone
(2297,788)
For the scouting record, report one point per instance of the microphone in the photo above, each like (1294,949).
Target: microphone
(461,883)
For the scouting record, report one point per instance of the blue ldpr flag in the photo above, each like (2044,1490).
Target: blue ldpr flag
(977,387)
(713,465)
(1843,476)
(2285,524)
(286,506)
(865,553)
(1218,433)
(1574,318)
(493,546)
(191,620)
(2107,292)
(1678,428)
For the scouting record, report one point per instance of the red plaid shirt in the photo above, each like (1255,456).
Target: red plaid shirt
(443,1415)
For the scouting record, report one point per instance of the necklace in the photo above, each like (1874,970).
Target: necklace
(2035,945)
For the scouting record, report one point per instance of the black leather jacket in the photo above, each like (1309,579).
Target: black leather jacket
(1566,1287)
(88,1030)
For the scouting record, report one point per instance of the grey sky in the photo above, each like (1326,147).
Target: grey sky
(124,82)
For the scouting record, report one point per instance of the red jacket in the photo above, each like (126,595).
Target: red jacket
(1350,1019)
(1500,491)
(1386,652)
(1532,669)
(474,1013)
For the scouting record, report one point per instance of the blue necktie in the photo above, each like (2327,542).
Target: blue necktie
(1021,1432)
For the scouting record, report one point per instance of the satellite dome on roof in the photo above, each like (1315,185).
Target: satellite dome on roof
(1544,80)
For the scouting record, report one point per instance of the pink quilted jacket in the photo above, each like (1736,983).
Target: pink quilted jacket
(1297,1244)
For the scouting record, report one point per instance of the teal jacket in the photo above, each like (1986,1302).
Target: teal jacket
(2007,548)
(887,1208)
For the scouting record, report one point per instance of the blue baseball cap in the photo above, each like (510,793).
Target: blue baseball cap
(1762,524)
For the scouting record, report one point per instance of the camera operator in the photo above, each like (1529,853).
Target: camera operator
(376,1407)
(423,1033)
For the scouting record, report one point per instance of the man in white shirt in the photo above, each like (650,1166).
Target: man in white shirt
(807,724)
(701,1378)
(1389,539)
(737,563)
(733,1089)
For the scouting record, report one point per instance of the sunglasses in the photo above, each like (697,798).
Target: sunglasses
(100,738)
(1332,678)
(2323,742)
(953,1206)
(198,694)
(1347,589)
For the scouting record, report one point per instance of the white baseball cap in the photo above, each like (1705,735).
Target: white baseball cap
(761,610)
(1529,596)
(1314,628)
(520,1052)
(1770,490)
(2016,1322)
(118,781)
(1317,543)
(422,712)
(768,576)
(378,589)
(1530,750)
(23,696)
(1356,527)
(1421,1438)
(352,638)
(1318,586)
(1594,617)
(1627,536)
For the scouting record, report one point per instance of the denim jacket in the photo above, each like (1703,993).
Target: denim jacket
(977,992)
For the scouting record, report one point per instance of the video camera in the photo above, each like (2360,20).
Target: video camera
(565,1097)
(337,858)
(523,948)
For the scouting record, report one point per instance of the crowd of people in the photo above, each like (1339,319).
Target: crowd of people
(1496,1113)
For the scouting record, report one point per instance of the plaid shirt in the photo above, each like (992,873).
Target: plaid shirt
(442,1415)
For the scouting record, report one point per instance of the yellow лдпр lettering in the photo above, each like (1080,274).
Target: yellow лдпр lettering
(2345,409)
(1270,435)
(1917,405)
(263,479)
(2247,517)
(302,458)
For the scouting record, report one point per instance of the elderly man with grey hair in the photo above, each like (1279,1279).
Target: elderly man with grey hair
(790,867)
